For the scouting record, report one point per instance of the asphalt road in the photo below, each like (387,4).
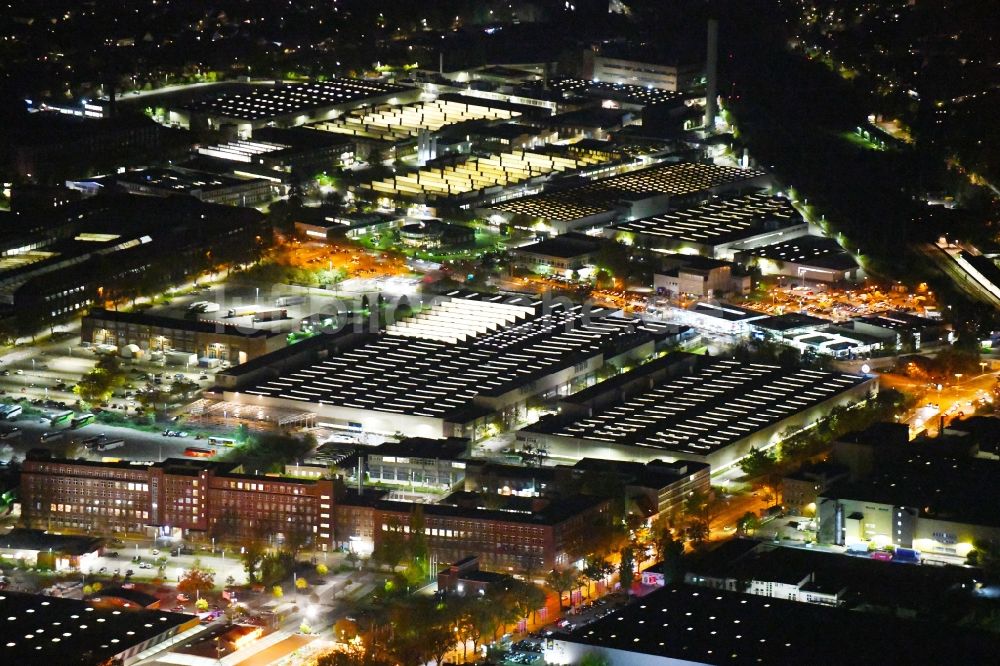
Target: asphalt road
(139,445)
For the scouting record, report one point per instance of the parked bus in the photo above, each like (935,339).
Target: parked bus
(51,436)
(92,442)
(110,444)
(221,441)
(60,417)
(82,420)
(10,412)
(195,452)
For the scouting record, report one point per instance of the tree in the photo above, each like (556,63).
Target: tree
(390,548)
(417,544)
(201,604)
(99,384)
(197,580)
(758,462)
(562,581)
(251,554)
(322,569)
(748,523)
(301,584)
(275,567)
(353,657)
(671,553)
(597,569)
(523,597)
(277,591)
(594,659)
(626,568)
(698,532)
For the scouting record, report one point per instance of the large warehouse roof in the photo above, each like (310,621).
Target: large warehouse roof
(685,624)
(403,122)
(434,364)
(295,98)
(719,221)
(809,251)
(717,404)
(602,195)
(52,630)
(478,174)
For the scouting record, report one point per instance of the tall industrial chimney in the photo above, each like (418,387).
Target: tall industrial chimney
(711,74)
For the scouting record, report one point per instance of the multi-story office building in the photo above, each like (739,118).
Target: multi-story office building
(418,461)
(202,499)
(534,536)
(106,248)
(177,498)
(672,76)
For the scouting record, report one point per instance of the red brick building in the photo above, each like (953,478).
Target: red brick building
(197,498)
(539,538)
(176,497)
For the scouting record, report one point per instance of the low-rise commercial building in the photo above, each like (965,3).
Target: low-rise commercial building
(206,339)
(560,255)
(57,630)
(656,488)
(831,579)
(804,257)
(690,407)
(718,317)
(695,625)
(800,490)
(416,461)
(938,505)
(902,330)
(280,154)
(465,578)
(702,277)
(41,549)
